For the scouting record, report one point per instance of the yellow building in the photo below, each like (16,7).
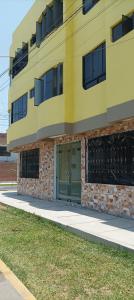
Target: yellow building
(71,103)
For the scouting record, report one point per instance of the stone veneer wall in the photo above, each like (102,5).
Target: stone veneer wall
(114,199)
(43,187)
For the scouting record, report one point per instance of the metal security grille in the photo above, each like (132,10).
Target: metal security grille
(29,164)
(111,159)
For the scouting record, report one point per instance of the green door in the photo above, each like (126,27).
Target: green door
(68,172)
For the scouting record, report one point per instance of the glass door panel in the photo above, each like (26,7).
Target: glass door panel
(68,173)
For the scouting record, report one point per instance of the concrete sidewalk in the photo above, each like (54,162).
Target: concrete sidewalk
(11,287)
(90,224)
(7,291)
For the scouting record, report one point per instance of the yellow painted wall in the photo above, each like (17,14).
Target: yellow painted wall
(68,44)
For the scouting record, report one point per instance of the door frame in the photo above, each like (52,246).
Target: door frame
(55,170)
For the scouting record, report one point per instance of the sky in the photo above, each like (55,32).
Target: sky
(12,12)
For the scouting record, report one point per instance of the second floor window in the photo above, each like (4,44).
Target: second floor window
(49,85)
(88,4)
(19,109)
(94,67)
(122,28)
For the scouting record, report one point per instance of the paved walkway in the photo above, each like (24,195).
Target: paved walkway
(7,291)
(87,223)
(11,287)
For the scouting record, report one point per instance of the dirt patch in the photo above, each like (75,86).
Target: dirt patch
(3,207)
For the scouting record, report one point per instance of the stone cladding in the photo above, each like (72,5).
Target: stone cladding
(113,199)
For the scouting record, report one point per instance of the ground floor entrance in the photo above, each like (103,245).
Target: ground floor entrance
(68,172)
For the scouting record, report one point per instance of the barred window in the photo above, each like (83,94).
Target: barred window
(111,159)
(29,164)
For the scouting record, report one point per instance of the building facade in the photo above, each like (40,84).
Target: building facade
(8,161)
(71,103)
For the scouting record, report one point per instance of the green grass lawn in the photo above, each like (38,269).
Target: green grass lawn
(55,264)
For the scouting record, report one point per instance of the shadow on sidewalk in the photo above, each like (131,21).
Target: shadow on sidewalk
(76,210)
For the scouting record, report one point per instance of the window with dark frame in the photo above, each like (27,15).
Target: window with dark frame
(53,82)
(126,25)
(51,19)
(20,60)
(49,85)
(4,152)
(88,4)
(29,164)
(111,159)
(33,40)
(19,108)
(32,93)
(94,67)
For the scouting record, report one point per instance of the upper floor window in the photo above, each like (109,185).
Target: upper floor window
(19,109)
(88,4)
(111,159)
(32,93)
(33,40)
(51,18)
(122,28)
(94,67)
(4,152)
(49,85)
(29,164)
(20,60)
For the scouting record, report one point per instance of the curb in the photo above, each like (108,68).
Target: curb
(15,282)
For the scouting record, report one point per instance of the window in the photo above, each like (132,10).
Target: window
(32,93)
(29,164)
(88,4)
(3,151)
(33,40)
(94,67)
(20,60)
(49,85)
(111,159)
(51,18)
(19,109)
(122,28)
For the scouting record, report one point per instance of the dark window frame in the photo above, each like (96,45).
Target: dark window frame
(30,163)
(3,151)
(20,60)
(123,27)
(94,80)
(88,5)
(55,7)
(56,85)
(32,93)
(110,159)
(19,108)
(33,40)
